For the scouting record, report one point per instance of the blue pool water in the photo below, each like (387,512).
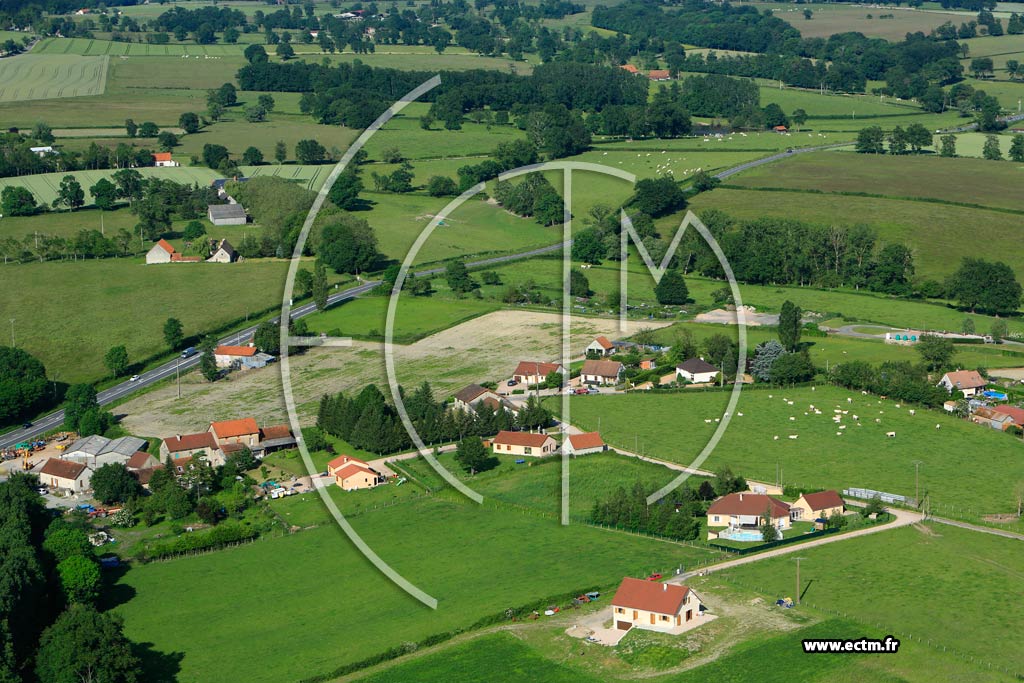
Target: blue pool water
(741,535)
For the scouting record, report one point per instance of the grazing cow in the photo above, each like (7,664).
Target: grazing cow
(913,412)
(776,438)
(793,436)
(891,435)
(938,426)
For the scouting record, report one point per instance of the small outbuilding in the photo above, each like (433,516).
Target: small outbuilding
(584,444)
(226,214)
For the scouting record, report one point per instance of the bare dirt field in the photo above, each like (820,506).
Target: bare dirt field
(482,349)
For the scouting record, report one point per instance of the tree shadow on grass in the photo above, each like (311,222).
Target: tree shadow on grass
(158,667)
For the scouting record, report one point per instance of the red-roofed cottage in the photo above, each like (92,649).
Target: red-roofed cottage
(601,346)
(820,505)
(352,474)
(161,252)
(164,159)
(654,606)
(582,444)
(523,443)
(228,356)
(244,431)
(535,372)
(65,475)
(745,511)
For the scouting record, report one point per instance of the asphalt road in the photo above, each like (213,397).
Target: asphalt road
(55,419)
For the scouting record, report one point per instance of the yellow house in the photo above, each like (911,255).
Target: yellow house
(523,443)
(352,474)
(820,505)
(654,606)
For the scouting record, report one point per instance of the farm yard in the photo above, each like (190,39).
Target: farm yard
(41,77)
(812,449)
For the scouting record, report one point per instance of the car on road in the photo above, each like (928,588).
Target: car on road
(26,425)
(189,352)
(593,390)
(582,390)
(134,378)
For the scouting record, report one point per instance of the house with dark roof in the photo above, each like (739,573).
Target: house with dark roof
(226,214)
(535,372)
(601,372)
(187,445)
(696,371)
(65,475)
(523,443)
(96,451)
(967,382)
(583,444)
(746,511)
(818,505)
(654,606)
(222,252)
(600,346)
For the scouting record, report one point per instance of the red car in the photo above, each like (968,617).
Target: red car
(582,390)
(654,577)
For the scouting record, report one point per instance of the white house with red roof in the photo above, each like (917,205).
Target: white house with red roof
(654,606)
(65,475)
(746,510)
(601,372)
(967,382)
(583,444)
(600,345)
(164,159)
(229,356)
(535,372)
(523,443)
(352,474)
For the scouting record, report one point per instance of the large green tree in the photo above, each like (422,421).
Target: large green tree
(981,285)
(473,456)
(116,360)
(79,400)
(319,285)
(174,333)
(672,289)
(348,244)
(80,578)
(113,483)
(17,201)
(85,645)
(936,352)
(22,383)
(104,194)
(790,325)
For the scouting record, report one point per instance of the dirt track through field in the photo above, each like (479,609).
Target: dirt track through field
(485,348)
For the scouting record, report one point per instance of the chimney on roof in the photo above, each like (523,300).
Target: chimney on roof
(741,496)
(664,587)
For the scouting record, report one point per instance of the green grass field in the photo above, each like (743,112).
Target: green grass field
(68,223)
(832,19)
(1008,93)
(416,318)
(89,47)
(861,457)
(831,105)
(991,184)
(41,77)
(45,185)
(907,586)
(309,579)
(903,222)
(69,314)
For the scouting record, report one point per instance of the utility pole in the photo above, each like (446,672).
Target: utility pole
(12,333)
(177,375)
(798,577)
(917,489)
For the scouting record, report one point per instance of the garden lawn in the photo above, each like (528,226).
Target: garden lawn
(673,427)
(69,314)
(415,318)
(914,574)
(444,548)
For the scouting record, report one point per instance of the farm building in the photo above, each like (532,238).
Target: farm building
(659,75)
(582,444)
(467,398)
(533,372)
(164,159)
(630,68)
(601,346)
(42,151)
(142,460)
(222,252)
(228,356)
(352,474)
(226,214)
(696,371)
(967,382)
(1016,414)
(990,417)
(523,443)
(601,372)
(820,505)
(654,606)
(65,475)
(274,438)
(96,451)
(187,445)
(739,511)
(243,431)
(163,252)
(648,363)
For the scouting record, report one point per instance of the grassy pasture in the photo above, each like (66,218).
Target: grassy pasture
(832,105)
(831,19)
(68,223)
(421,58)
(404,132)
(416,318)
(946,227)
(172,72)
(69,314)
(45,185)
(973,181)
(911,579)
(90,47)
(1009,93)
(861,457)
(540,558)
(39,77)
(238,134)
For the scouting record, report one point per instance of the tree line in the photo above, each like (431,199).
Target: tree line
(368,422)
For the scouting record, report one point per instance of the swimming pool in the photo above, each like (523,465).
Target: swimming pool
(744,535)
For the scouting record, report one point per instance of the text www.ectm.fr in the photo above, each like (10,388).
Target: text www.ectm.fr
(887,644)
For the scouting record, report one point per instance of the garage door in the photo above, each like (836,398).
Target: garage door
(623,625)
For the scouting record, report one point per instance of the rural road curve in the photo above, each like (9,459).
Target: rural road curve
(55,419)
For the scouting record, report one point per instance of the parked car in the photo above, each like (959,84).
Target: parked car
(654,577)
(512,383)
(582,390)
(593,390)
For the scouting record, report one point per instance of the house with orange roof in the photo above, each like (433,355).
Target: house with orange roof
(654,606)
(161,252)
(523,443)
(164,159)
(659,75)
(630,68)
(244,431)
(583,444)
(230,356)
(967,382)
(352,474)
(745,510)
(600,346)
